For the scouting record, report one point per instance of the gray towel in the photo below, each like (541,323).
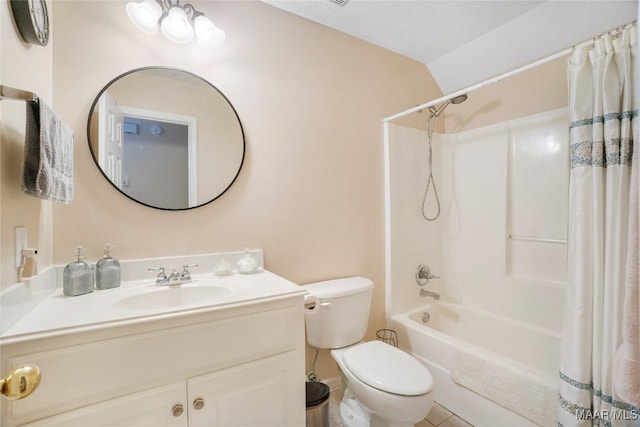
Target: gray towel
(47,171)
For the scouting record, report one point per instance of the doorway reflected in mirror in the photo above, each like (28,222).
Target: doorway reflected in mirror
(166,138)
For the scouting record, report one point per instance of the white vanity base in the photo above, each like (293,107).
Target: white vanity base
(237,361)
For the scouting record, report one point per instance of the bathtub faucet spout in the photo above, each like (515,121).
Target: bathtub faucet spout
(426,293)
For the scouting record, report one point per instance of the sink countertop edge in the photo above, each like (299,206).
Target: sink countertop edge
(286,289)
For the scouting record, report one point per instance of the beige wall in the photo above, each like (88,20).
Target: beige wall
(539,89)
(26,67)
(311,101)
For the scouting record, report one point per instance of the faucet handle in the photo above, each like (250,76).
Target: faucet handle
(160,269)
(423,275)
(185,276)
(162,277)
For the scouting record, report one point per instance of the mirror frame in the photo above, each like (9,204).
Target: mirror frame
(163,67)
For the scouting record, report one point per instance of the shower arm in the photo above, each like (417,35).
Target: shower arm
(436,111)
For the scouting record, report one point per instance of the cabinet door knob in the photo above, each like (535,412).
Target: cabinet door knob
(177,410)
(198,403)
(20,383)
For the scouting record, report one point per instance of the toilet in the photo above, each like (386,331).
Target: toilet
(384,386)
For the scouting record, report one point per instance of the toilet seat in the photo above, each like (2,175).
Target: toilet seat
(387,368)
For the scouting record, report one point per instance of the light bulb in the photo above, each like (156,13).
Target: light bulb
(176,27)
(145,15)
(206,32)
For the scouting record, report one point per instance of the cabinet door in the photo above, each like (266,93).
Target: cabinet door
(151,408)
(263,393)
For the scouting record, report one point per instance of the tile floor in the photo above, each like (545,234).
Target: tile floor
(439,416)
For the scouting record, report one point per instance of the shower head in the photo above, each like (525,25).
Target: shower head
(455,100)
(459,99)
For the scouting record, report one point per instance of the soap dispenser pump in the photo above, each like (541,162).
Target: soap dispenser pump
(107,270)
(77,278)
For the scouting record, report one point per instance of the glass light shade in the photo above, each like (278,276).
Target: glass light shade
(145,15)
(207,33)
(176,26)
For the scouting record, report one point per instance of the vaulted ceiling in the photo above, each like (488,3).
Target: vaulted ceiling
(465,42)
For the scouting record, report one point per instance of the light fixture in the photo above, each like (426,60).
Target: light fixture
(173,19)
(145,15)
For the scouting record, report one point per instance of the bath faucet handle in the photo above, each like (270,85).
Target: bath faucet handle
(185,276)
(423,275)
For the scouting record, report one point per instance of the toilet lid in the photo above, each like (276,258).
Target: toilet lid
(388,369)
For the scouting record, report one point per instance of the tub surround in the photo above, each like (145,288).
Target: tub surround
(233,342)
(499,242)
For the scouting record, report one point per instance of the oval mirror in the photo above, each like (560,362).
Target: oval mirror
(166,138)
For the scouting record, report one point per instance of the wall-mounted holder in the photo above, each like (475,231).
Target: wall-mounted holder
(423,275)
(29,265)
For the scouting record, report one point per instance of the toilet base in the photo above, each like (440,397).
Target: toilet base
(355,414)
(352,413)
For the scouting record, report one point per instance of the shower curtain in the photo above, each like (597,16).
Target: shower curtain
(603,124)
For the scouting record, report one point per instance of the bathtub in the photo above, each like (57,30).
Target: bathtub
(435,337)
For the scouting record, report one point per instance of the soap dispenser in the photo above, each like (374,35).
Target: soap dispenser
(107,270)
(77,278)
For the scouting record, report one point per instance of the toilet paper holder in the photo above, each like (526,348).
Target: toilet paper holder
(29,265)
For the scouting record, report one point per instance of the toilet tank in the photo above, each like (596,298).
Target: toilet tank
(341,314)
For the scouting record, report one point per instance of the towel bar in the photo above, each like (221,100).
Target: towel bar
(536,239)
(12,93)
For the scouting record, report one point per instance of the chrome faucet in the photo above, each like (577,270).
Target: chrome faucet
(175,278)
(426,293)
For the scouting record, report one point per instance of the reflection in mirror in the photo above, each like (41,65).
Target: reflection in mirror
(166,138)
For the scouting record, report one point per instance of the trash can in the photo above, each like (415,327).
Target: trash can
(317,404)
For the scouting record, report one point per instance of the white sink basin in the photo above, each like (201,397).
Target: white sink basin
(172,296)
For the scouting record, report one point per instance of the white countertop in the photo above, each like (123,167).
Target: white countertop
(58,314)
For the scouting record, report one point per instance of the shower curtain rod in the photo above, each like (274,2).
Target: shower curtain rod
(480,85)
(501,77)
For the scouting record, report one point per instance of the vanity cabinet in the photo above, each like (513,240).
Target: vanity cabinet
(255,394)
(238,366)
(251,394)
(148,408)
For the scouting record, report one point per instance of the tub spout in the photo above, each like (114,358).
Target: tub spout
(426,293)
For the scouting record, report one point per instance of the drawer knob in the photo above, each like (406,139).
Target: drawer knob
(198,403)
(177,410)
(20,383)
